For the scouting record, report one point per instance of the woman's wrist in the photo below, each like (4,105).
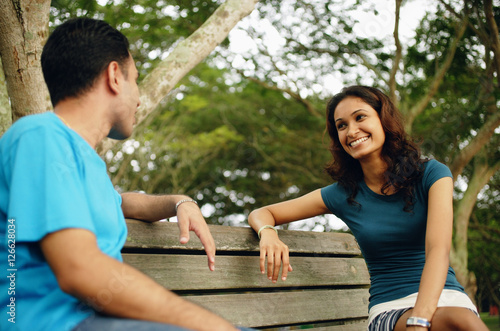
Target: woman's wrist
(418,322)
(265,227)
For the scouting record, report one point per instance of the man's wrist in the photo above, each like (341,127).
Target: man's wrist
(180,202)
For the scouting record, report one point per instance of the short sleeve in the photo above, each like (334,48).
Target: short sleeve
(46,193)
(434,171)
(333,195)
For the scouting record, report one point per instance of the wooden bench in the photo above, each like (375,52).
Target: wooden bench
(328,289)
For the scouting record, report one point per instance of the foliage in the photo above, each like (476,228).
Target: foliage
(223,143)
(153,27)
(244,130)
(484,239)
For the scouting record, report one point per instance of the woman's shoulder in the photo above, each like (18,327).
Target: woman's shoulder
(434,165)
(435,170)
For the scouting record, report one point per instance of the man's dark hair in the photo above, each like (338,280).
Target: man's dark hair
(77,52)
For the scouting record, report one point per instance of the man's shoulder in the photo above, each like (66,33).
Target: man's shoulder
(30,123)
(39,131)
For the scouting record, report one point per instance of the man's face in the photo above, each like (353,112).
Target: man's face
(129,101)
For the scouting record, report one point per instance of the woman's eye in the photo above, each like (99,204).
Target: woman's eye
(340,126)
(360,117)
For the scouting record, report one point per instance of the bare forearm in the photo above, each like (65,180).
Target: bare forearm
(431,284)
(260,217)
(119,290)
(148,207)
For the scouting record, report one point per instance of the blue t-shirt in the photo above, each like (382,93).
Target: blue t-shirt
(392,241)
(50,179)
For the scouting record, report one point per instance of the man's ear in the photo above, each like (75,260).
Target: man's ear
(114,75)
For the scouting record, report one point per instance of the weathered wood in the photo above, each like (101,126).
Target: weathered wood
(165,235)
(349,326)
(179,272)
(328,289)
(282,308)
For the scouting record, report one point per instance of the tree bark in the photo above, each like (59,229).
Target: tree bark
(459,254)
(186,56)
(495,40)
(397,57)
(5,110)
(24,26)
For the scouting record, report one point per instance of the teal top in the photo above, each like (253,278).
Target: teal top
(50,179)
(392,241)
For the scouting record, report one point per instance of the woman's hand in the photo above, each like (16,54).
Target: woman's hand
(277,255)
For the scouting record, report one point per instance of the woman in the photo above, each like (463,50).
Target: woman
(399,208)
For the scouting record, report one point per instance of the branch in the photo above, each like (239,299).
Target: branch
(495,41)
(438,77)
(463,209)
(484,134)
(486,232)
(191,51)
(398,56)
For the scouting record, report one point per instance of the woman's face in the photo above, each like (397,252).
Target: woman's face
(359,129)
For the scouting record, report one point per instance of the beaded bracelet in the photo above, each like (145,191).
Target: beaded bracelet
(182,201)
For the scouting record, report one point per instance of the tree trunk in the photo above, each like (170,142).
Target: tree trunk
(186,56)
(463,210)
(5,110)
(23,30)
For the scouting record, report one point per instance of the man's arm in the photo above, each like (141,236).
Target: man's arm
(117,289)
(153,208)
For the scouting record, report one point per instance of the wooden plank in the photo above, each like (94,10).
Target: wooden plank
(349,326)
(165,235)
(190,272)
(284,308)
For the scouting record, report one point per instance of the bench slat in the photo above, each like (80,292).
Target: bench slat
(165,235)
(181,272)
(349,326)
(268,309)
(328,288)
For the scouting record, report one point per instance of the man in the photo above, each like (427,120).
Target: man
(61,221)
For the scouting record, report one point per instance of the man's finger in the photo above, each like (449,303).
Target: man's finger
(208,243)
(184,232)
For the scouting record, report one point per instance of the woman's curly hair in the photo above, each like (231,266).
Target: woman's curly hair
(402,156)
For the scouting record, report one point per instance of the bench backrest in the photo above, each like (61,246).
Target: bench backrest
(328,288)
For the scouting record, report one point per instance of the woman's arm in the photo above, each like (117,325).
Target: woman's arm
(307,206)
(437,248)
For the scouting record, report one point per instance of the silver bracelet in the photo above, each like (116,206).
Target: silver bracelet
(418,321)
(182,201)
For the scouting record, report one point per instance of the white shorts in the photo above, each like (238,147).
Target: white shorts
(448,298)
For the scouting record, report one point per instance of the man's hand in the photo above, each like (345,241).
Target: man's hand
(152,208)
(189,218)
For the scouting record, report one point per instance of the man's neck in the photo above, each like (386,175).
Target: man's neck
(85,118)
